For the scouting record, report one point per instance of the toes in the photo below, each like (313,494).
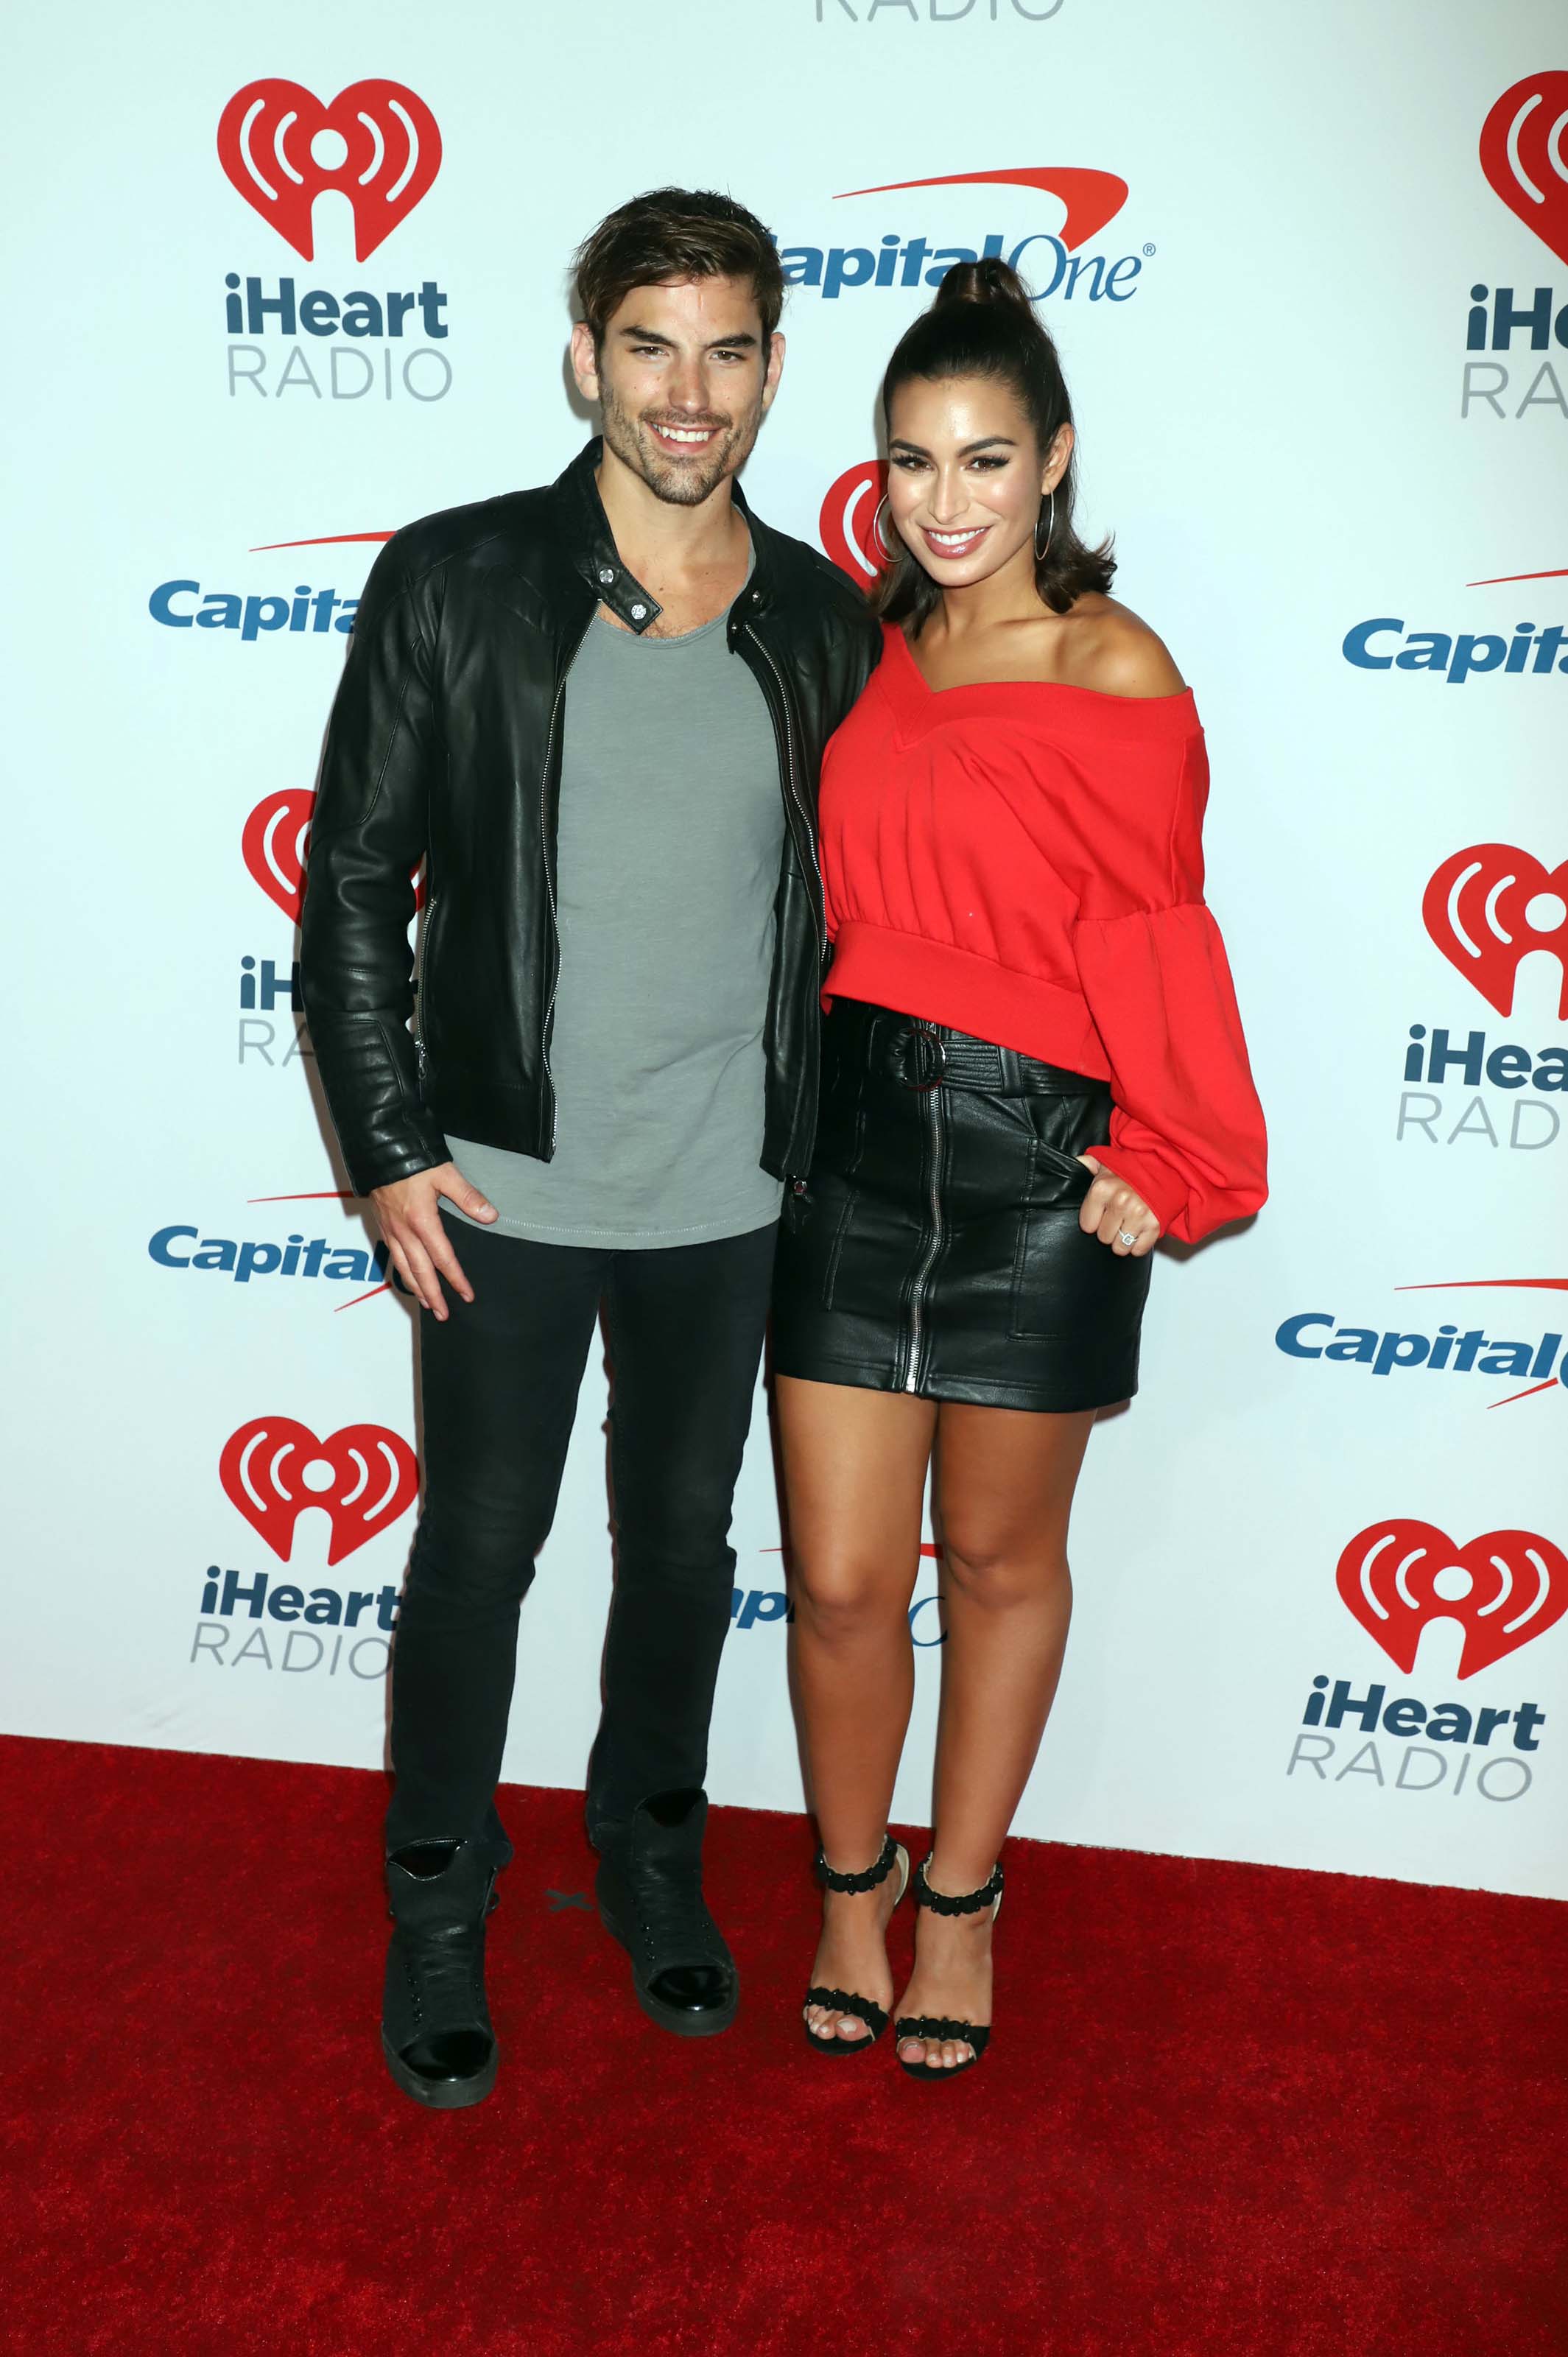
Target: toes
(824,2023)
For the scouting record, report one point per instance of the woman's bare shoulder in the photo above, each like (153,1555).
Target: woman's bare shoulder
(1116,652)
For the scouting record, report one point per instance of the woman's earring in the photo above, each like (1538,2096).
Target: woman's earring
(1041,554)
(888,556)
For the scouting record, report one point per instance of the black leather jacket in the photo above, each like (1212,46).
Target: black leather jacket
(444,743)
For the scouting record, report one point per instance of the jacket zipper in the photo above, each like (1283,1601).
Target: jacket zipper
(791,790)
(423,1000)
(548,881)
(933,1097)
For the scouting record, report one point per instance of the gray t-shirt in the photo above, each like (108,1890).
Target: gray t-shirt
(672,833)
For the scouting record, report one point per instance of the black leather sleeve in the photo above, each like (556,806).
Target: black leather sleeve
(856,635)
(370,830)
(867,650)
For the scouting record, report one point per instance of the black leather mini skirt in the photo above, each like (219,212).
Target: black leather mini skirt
(935,1247)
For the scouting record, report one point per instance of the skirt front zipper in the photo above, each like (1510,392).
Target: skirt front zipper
(932,1103)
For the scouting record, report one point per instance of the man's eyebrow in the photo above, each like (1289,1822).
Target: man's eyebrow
(743,342)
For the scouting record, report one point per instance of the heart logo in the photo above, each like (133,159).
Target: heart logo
(846,526)
(276,845)
(1488,906)
(1504,1590)
(364,1476)
(377,143)
(275,841)
(1522,155)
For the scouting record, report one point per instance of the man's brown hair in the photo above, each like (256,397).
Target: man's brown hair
(673,233)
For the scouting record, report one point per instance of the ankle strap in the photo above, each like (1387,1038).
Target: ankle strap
(866,1881)
(969,1903)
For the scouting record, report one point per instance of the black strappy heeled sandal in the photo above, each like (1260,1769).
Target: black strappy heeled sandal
(874,2016)
(975,2036)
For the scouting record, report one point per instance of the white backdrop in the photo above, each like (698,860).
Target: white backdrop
(1283,420)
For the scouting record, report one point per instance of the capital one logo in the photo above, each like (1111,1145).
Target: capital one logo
(847,524)
(363,1476)
(376,145)
(1504,1590)
(1489,906)
(1522,155)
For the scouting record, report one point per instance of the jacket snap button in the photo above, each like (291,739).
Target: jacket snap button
(606,575)
(637,612)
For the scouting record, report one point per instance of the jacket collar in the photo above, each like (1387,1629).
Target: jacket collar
(596,558)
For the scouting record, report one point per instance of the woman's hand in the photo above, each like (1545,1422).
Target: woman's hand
(1120,1218)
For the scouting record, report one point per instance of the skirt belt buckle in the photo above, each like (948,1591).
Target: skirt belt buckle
(923,1060)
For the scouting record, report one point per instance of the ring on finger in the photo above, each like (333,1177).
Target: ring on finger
(1125,1237)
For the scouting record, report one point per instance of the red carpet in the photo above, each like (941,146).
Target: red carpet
(1228,2110)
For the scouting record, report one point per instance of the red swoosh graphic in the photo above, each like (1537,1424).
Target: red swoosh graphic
(1497,580)
(322,1195)
(1548,1385)
(1091,198)
(1467,1284)
(322,540)
(1506,1284)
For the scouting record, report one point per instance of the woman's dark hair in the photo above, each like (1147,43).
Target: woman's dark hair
(675,233)
(984,323)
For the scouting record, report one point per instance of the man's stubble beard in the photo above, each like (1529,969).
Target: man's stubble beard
(684,486)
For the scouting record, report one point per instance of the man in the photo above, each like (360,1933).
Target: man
(597,710)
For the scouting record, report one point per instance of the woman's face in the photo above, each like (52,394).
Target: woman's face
(966,477)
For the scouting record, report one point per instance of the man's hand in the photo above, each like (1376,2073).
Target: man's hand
(410,1219)
(1110,1210)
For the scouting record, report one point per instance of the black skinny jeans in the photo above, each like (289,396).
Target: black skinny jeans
(499,1382)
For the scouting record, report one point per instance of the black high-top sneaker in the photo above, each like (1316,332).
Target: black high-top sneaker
(435,2025)
(649,1889)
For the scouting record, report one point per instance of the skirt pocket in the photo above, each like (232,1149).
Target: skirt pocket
(1066,1283)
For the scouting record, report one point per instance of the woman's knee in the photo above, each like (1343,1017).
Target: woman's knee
(1001,1573)
(840,1596)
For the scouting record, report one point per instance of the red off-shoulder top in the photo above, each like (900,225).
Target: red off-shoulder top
(1023,861)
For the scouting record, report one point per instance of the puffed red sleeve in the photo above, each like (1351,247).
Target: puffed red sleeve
(1187,1130)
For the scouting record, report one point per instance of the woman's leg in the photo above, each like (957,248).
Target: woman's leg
(1005,1487)
(854,1470)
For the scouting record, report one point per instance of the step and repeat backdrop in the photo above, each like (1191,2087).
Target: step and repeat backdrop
(289,284)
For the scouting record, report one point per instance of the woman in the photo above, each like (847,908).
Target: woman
(1032,1069)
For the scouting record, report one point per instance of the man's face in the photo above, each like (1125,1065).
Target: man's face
(682,381)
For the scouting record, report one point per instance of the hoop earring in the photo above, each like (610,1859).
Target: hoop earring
(1041,554)
(888,556)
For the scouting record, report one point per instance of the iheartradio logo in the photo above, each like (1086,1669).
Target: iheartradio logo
(1522,155)
(846,526)
(276,845)
(363,1476)
(1489,906)
(1504,1590)
(376,145)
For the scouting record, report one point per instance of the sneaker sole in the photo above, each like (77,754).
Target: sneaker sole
(442,2095)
